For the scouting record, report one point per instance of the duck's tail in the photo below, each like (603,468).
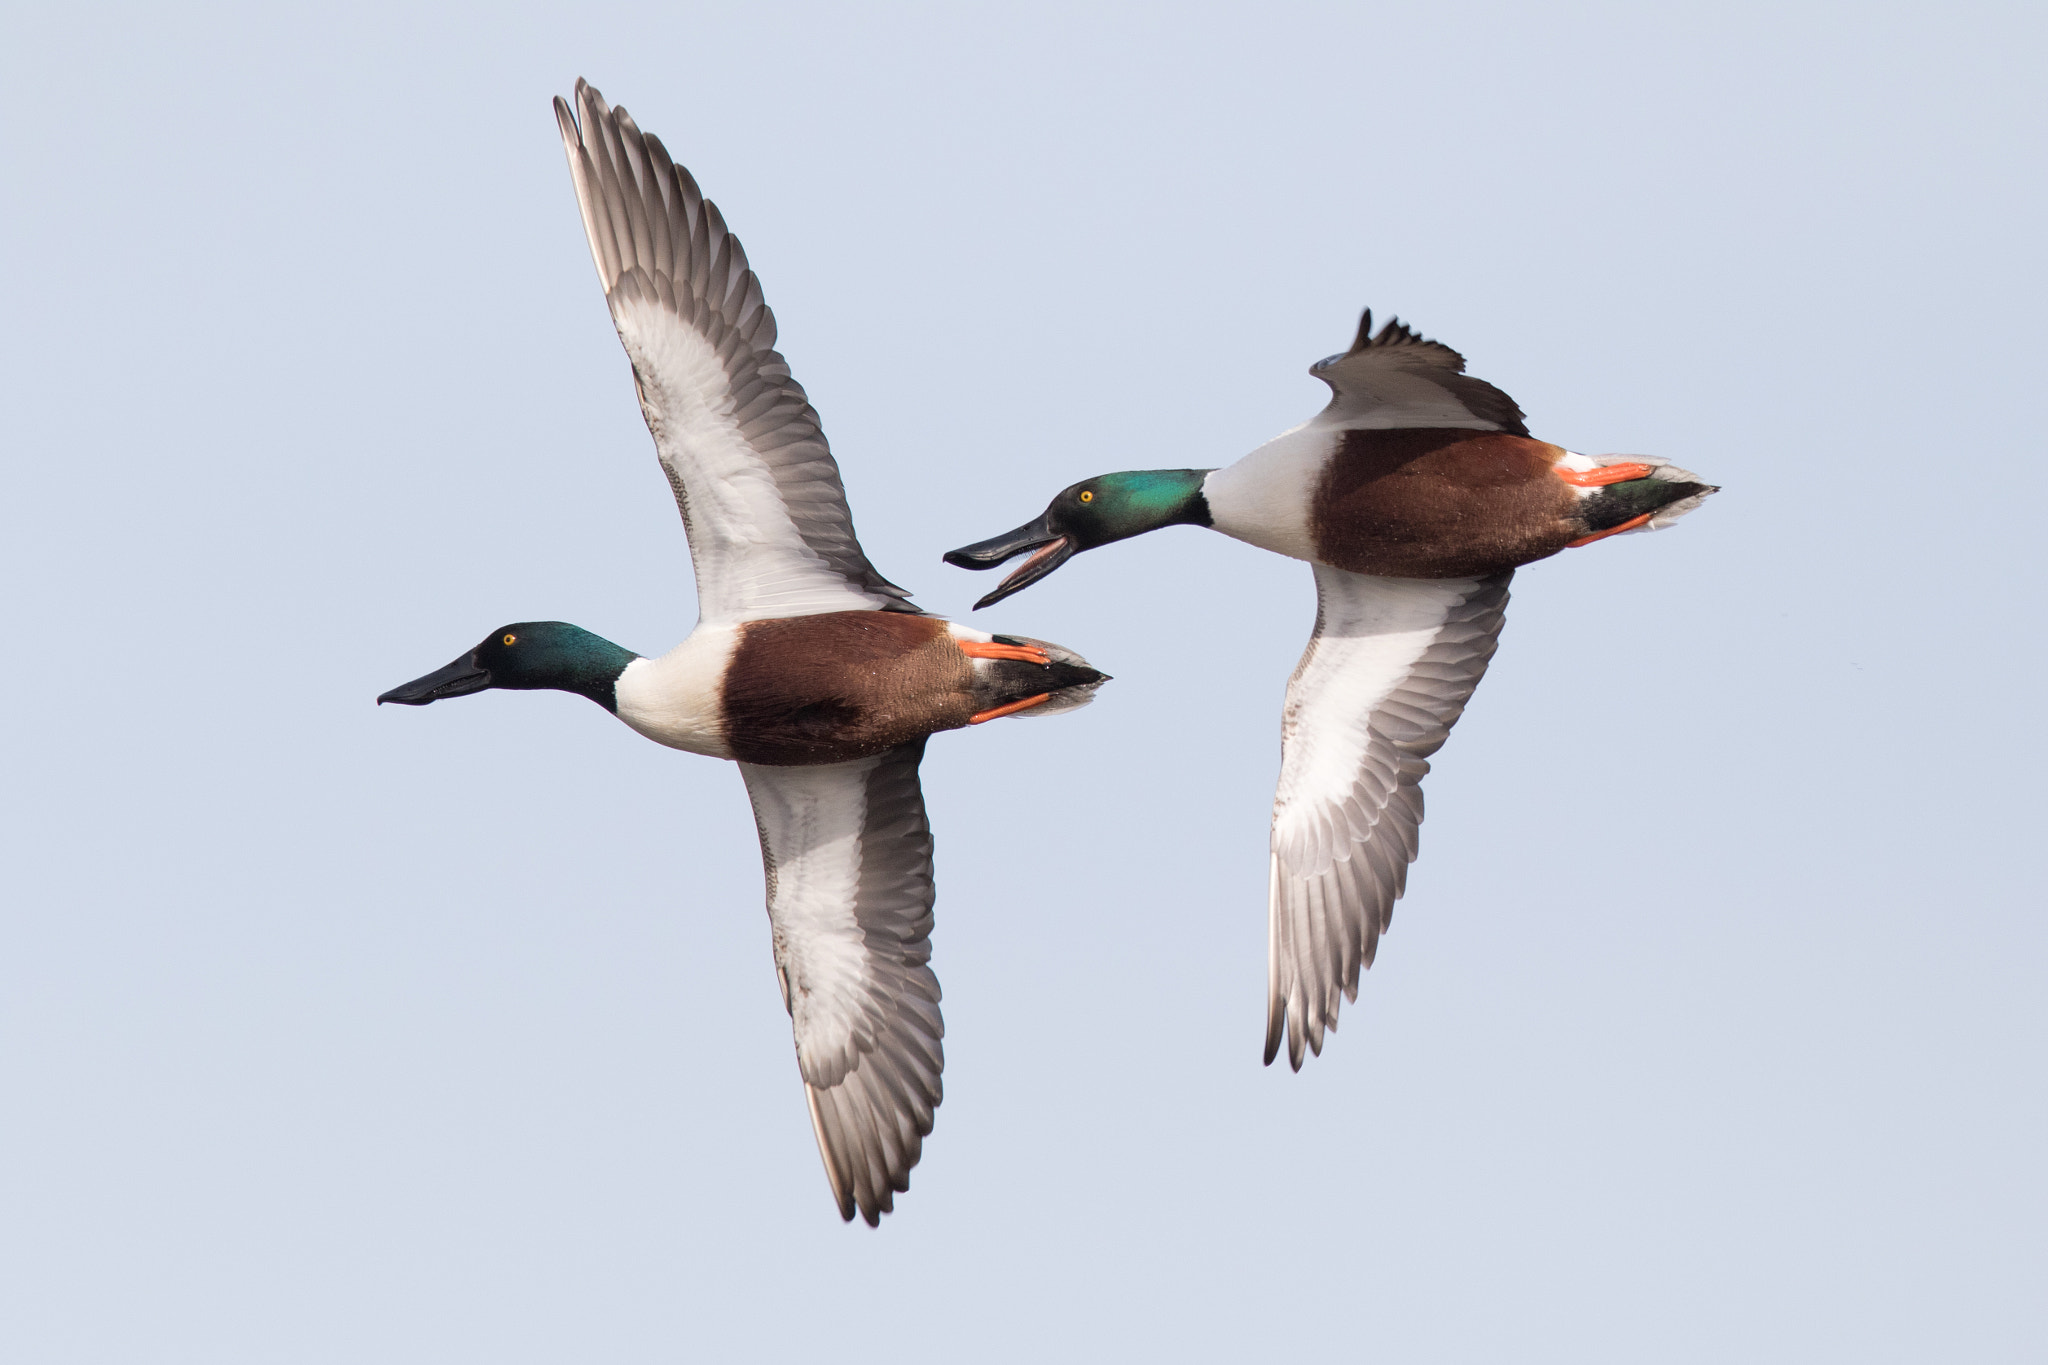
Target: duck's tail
(1016,675)
(1649,502)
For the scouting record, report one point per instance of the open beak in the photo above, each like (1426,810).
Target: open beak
(458,679)
(1049,550)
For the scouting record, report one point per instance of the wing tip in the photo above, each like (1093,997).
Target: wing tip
(842,1195)
(1364,337)
(1276,1003)
(1394,334)
(864,1181)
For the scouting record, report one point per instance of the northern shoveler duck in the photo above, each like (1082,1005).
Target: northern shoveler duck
(807,667)
(1415,495)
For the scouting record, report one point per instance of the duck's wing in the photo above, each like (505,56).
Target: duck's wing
(849,859)
(770,534)
(1386,675)
(1402,379)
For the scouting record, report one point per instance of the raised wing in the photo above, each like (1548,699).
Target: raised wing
(1402,379)
(769,531)
(1386,675)
(849,859)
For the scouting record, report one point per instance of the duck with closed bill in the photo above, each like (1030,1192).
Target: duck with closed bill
(807,668)
(1415,495)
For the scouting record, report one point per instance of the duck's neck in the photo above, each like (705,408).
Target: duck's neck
(598,677)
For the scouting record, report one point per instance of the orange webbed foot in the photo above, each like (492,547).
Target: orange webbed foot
(1023,654)
(1603,475)
(998,712)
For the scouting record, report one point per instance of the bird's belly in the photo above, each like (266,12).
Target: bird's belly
(677,699)
(1439,503)
(842,685)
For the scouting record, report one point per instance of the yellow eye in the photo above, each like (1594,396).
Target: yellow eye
(1087,497)
(511,639)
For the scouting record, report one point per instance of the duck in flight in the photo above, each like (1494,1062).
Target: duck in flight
(1415,495)
(807,668)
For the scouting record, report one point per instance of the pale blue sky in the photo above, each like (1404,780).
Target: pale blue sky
(1712,1027)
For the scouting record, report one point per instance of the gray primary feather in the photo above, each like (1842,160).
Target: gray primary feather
(659,244)
(1343,836)
(1402,378)
(849,857)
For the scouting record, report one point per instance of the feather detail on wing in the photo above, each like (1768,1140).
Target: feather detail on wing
(849,859)
(1402,379)
(1386,675)
(770,534)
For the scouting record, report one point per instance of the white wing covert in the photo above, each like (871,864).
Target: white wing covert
(849,859)
(770,533)
(1386,674)
(1402,379)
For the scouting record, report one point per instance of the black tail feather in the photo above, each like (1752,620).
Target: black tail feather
(1620,502)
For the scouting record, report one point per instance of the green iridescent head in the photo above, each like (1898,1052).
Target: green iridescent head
(1097,511)
(526,656)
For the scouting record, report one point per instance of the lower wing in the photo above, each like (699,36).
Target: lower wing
(848,853)
(1384,678)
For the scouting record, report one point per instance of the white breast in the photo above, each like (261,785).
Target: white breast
(1264,498)
(676,699)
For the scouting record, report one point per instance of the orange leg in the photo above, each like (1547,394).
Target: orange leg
(1628,525)
(1023,654)
(1012,709)
(1603,475)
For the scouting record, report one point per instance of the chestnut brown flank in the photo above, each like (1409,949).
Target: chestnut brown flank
(841,686)
(1438,502)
